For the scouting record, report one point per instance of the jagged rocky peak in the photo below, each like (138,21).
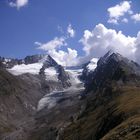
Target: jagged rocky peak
(52,71)
(48,61)
(88,69)
(123,62)
(34,58)
(11,62)
(112,66)
(111,55)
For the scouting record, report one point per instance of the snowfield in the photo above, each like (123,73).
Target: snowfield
(51,74)
(74,75)
(22,69)
(92,65)
(51,100)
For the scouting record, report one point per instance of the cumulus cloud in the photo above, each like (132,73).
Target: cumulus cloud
(65,58)
(95,44)
(54,48)
(136,17)
(37,43)
(53,44)
(100,40)
(125,20)
(18,3)
(113,21)
(118,11)
(60,29)
(137,42)
(70,31)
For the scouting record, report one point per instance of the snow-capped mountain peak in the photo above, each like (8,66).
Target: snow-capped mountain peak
(31,64)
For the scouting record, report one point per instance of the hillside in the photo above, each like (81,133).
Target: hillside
(51,102)
(112,103)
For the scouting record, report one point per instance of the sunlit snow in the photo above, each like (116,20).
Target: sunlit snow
(74,75)
(92,65)
(51,74)
(50,100)
(22,69)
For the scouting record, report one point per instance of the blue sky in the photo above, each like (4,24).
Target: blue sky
(41,20)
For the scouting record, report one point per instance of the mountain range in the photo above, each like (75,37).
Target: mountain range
(42,100)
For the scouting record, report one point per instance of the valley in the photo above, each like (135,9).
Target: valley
(42,100)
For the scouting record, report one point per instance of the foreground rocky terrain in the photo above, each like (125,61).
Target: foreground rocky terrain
(42,100)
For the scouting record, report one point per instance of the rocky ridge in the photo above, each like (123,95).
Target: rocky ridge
(57,109)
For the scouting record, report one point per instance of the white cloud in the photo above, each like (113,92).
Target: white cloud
(53,48)
(18,3)
(37,43)
(97,42)
(118,11)
(136,17)
(137,42)
(113,21)
(65,58)
(70,31)
(53,44)
(125,20)
(60,29)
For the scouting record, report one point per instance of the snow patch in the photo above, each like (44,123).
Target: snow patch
(51,74)
(92,65)
(50,100)
(46,102)
(7,60)
(22,69)
(74,75)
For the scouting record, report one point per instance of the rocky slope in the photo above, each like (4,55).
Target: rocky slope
(42,100)
(23,83)
(52,74)
(112,102)
(18,102)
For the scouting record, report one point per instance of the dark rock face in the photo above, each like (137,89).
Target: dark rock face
(112,66)
(85,73)
(33,59)
(50,62)
(63,77)
(10,62)
(110,109)
(111,97)
(47,61)
(19,95)
(18,102)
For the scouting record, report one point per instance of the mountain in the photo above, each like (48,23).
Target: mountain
(23,83)
(112,102)
(18,99)
(88,69)
(42,100)
(113,66)
(52,74)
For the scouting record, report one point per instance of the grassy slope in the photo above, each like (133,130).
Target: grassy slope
(129,103)
(105,116)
